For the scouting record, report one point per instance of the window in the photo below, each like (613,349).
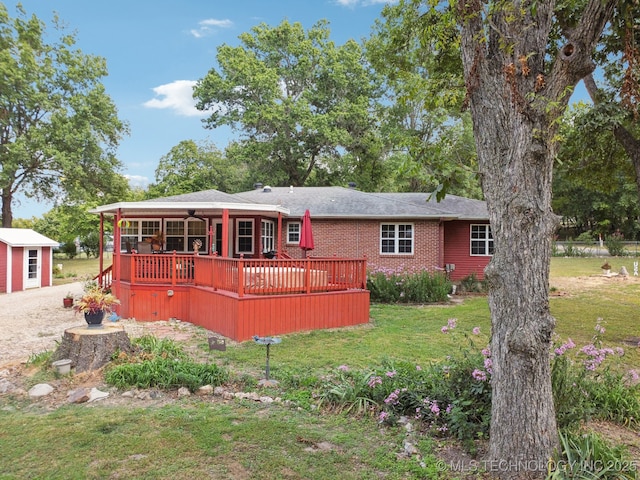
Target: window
(132,232)
(481,240)
(244,238)
(396,238)
(293,232)
(266,235)
(174,235)
(197,230)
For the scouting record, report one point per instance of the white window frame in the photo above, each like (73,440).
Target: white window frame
(140,233)
(238,236)
(397,238)
(267,235)
(483,240)
(293,237)
(187,236)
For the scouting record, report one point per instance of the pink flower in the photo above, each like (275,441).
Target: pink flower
(383,416)
(444,329)
(479,375)
(343,368)
(418,368)
(476,330)
(391,374)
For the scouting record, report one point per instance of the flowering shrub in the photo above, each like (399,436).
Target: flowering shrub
(584,388)
(452,397)
(407,286)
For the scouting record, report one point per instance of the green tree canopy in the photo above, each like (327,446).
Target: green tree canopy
(300,102)
(191,167)
(58,127)
(430,138)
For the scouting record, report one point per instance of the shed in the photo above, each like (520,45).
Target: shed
(26,259)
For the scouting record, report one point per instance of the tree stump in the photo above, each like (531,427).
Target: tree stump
(92,348)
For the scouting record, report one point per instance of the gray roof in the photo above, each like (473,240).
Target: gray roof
(340,202)
(212,196)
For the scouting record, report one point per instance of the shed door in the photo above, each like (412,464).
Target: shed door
(32,268)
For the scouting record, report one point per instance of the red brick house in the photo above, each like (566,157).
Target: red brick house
(208,257)
(393,230)
(26,259)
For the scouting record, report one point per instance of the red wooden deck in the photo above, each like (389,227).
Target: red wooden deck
(240,298)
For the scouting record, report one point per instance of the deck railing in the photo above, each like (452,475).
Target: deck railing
(247,276)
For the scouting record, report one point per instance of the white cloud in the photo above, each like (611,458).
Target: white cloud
(137,181)
(209,27)
(177,96)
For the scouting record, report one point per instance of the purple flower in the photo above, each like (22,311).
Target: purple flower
(479,375)
(374,380)
(486,352)
(391,374)
(435,409)
(383,416)
(343,368)
(451,323)
(392,398)
(418,368)
(476,330)
(444,329)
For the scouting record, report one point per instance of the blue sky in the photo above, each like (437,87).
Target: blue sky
(157,49)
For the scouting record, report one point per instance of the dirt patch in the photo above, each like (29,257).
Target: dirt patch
(563,286)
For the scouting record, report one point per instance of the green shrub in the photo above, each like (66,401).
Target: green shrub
(471,284)
(615,245)
(162,363)
(400,286)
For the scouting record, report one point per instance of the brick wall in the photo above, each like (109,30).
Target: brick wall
(357,238)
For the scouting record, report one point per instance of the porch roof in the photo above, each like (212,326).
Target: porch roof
(171,206)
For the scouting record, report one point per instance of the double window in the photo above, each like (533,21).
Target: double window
(481,240)
(396,238)
(178,235)
(133,232)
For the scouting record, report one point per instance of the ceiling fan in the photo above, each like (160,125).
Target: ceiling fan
(192,214)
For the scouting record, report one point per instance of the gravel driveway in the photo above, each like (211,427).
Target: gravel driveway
(33,321)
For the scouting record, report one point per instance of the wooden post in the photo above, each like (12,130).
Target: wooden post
(241,276)
(225,233)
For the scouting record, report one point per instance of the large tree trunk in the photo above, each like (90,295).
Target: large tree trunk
(7,213)
(515,101)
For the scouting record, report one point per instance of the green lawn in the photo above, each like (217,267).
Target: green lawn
(197,438)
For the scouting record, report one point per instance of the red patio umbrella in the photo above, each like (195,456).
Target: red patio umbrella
(306,234)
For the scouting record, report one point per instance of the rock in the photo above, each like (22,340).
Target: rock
(184,392)
(40,390)
(128,394)
(228,396)
(6,386)
(218,391)
(205,390)
(266,400)
(96,394)
(410,449)
(80,395)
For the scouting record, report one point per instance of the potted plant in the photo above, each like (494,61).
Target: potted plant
(94,303)
(606,268)
(67,301)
